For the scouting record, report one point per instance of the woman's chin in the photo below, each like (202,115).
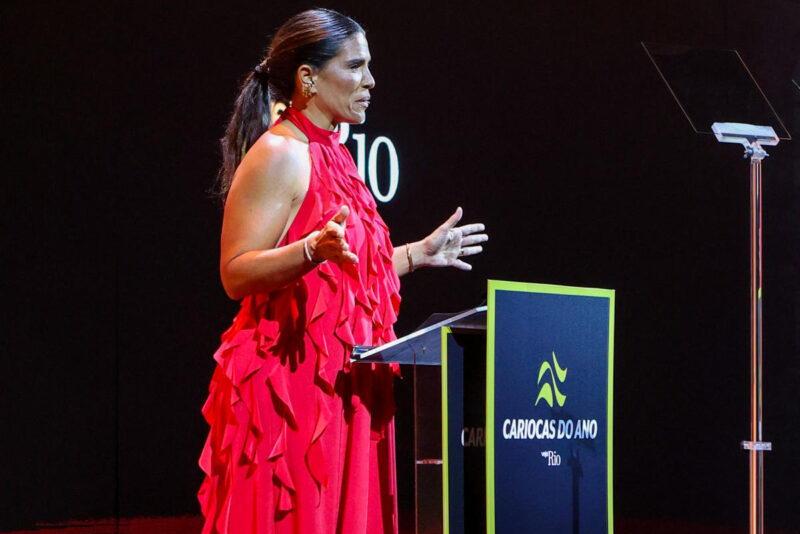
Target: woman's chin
(356,116)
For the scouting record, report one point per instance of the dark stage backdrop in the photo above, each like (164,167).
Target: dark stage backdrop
(545,120)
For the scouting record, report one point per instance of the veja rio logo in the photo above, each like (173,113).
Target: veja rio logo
(552,457)
(546,391)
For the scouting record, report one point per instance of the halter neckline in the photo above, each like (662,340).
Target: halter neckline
(314,133)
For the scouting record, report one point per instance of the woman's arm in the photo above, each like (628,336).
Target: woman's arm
(442,248)
(267,189)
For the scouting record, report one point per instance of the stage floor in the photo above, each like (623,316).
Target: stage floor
(193,524)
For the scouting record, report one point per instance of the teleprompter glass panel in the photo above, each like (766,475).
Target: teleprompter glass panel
(713,86)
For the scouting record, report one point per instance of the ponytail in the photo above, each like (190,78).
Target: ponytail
(309,38)
(250,119)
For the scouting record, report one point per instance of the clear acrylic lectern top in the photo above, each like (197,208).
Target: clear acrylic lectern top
(423,346)
(422,350)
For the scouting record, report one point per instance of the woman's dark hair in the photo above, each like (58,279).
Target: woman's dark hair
(312,38)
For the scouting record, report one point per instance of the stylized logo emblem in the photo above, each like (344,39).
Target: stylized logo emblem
(546,391)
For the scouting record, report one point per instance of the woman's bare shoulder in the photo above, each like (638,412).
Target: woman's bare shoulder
(278,149)
(279,159)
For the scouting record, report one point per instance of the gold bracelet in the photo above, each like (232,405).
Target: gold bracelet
(410,261)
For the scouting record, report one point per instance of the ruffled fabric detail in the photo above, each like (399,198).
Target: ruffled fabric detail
(313,321)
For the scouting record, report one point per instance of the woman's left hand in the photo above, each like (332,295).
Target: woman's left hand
(446,245)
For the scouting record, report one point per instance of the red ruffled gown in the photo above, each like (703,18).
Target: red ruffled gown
(300,440)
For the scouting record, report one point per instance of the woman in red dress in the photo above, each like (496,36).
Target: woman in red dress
(300,440)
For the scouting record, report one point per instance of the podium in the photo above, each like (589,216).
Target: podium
(512,412)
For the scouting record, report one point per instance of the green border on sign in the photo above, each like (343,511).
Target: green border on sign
(489,431)
(522,287)
(445,444)
(610,415)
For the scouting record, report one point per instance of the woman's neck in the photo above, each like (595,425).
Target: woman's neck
(318,117)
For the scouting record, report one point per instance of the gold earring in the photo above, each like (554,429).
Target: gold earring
(307,89)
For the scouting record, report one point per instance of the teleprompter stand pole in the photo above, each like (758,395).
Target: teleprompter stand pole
(756,446)
(752,138)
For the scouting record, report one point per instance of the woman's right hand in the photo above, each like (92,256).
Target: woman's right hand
(329,243)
